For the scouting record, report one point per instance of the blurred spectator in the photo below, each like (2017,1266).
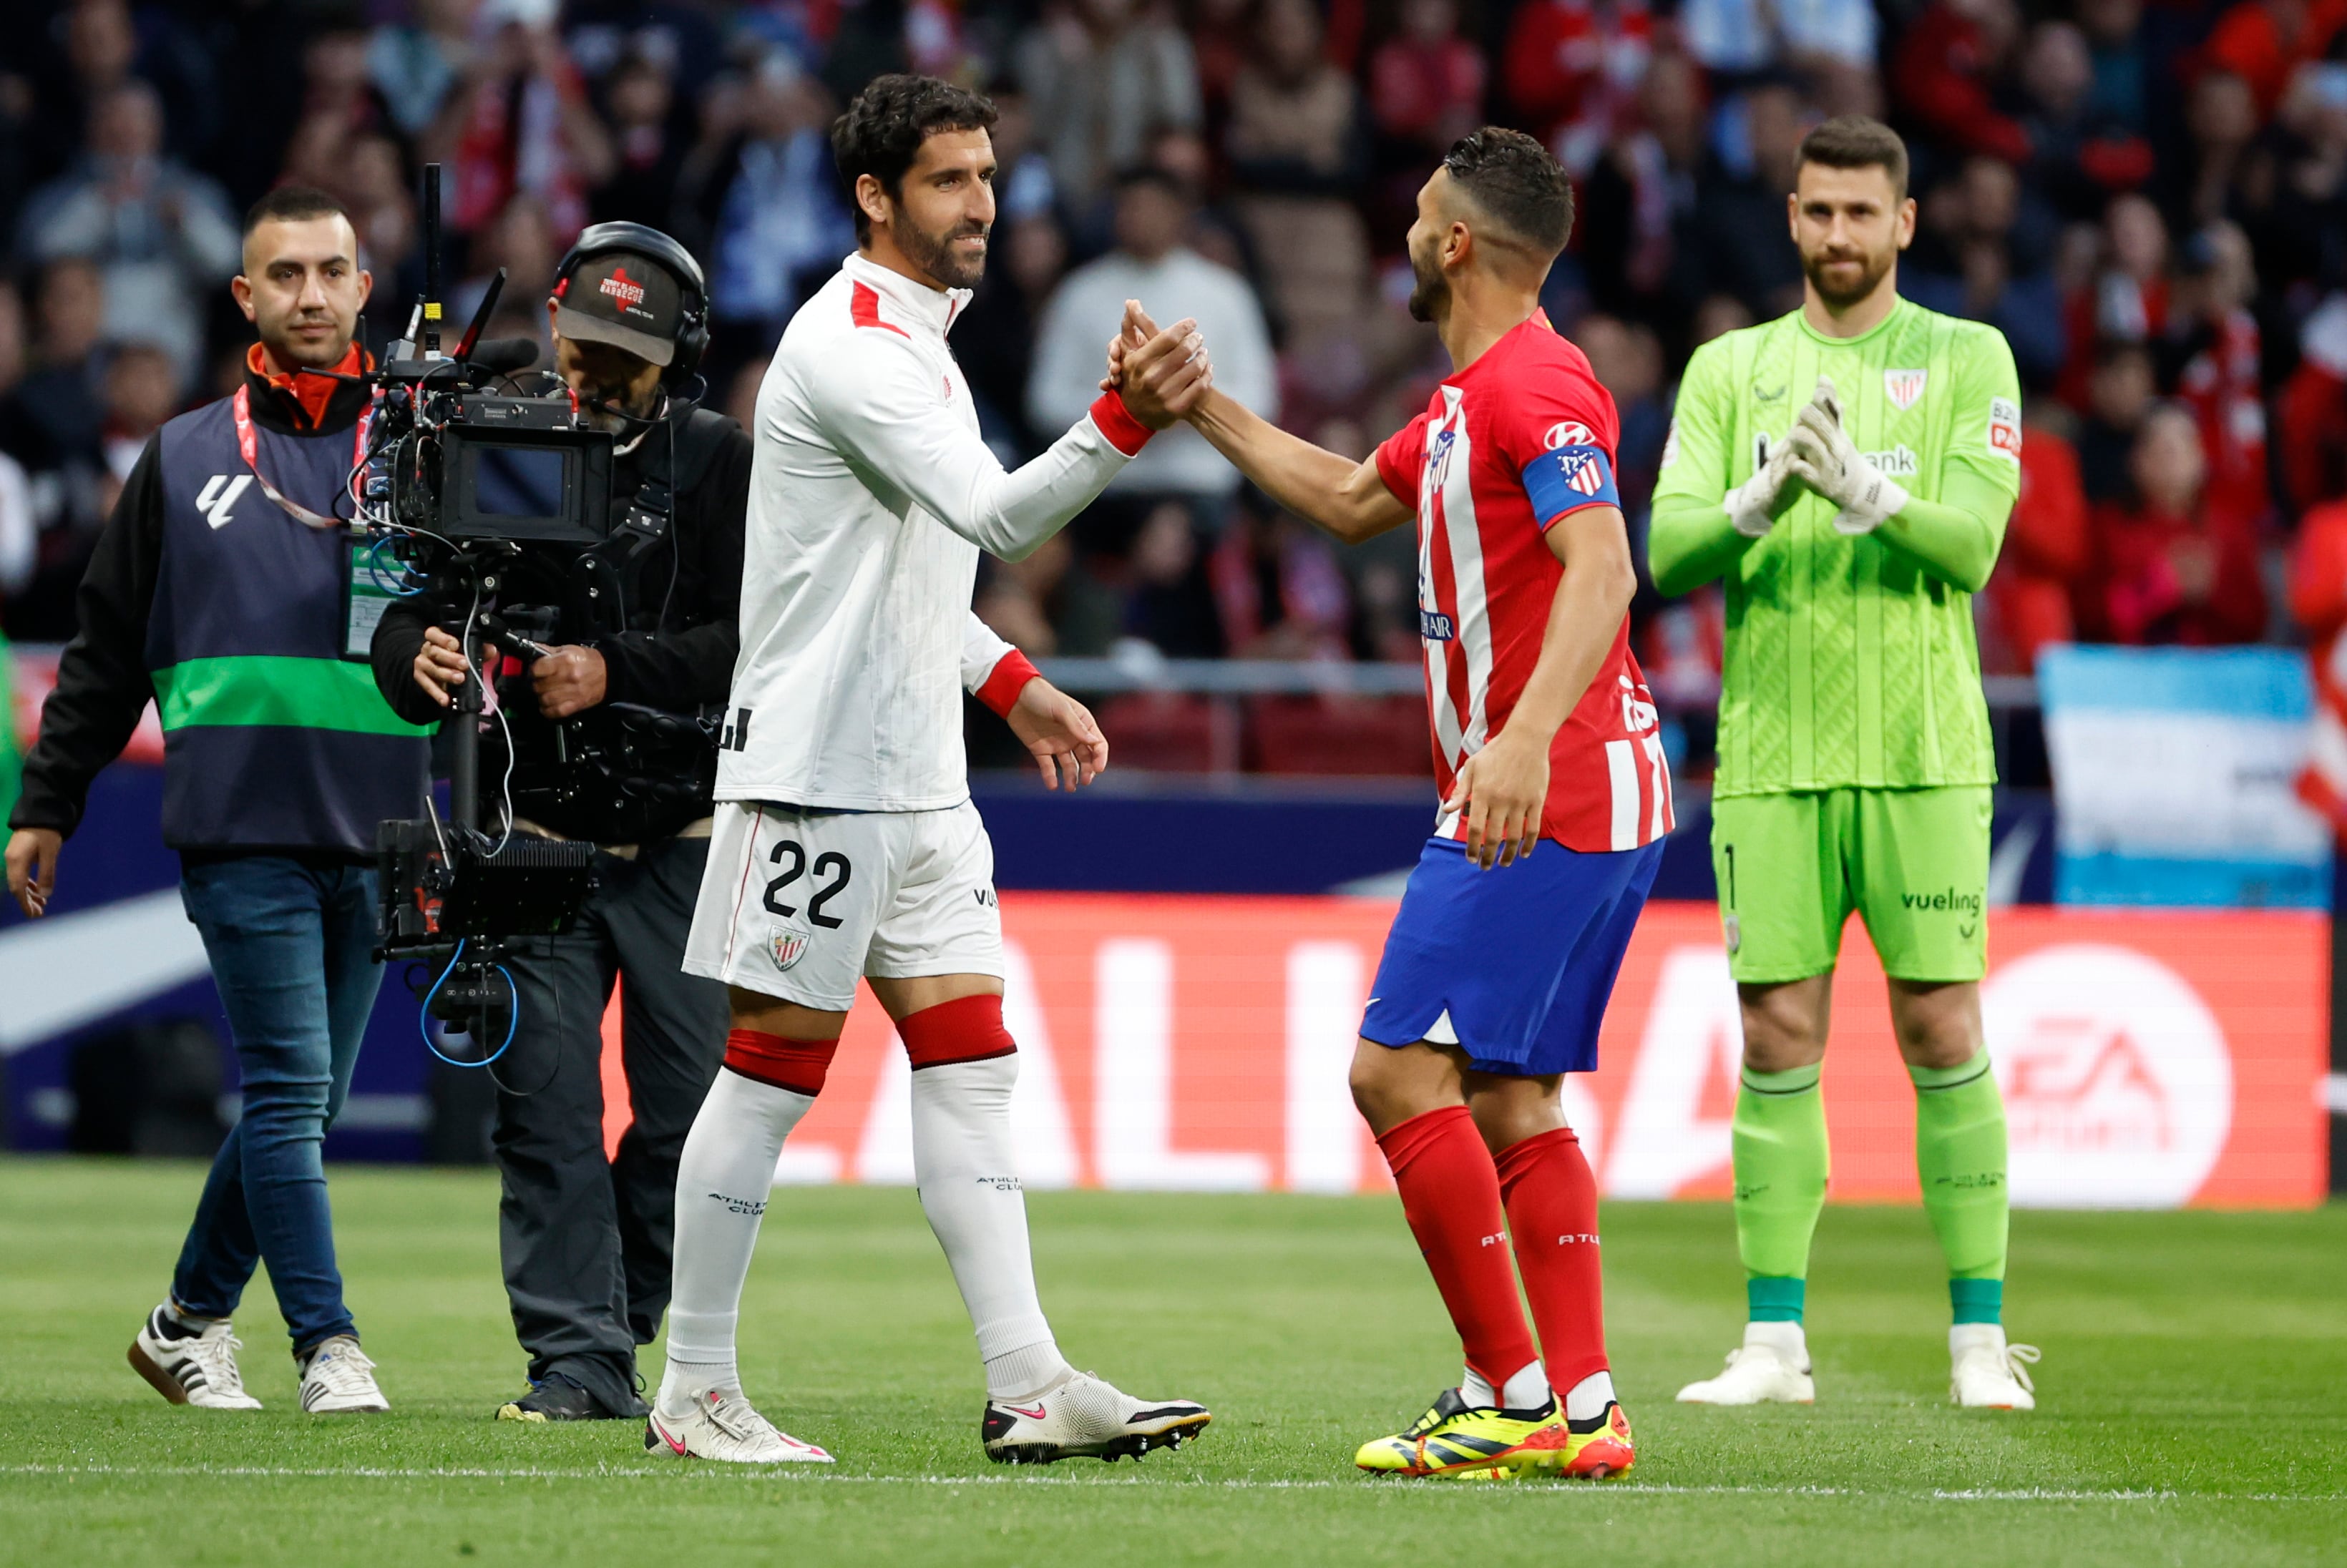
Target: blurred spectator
(1052,602)
(1832,41)
(2177,561)
(2313,408)
(2079,152)
(142,390)
(1641,248)
(1426,82)
(1746,248)
(784,225)
(2261,42)
(2293,186)
(52,424)
(372,184)
(1976,262)
(1168,603)
(517,122)
(2048,545)
(1717,316)
(2221,117)
(998,337)
(1296,154)
(1628,364)
(2122,74)
(1944,71)
(339,103)
(19,529)
(415,65)
(523,242)
(649,138)
(162,234)
(2127,300)
(1278,588)
(2213,340)
(1572,70)
(1150,264)
(2120,394)
(1100,76)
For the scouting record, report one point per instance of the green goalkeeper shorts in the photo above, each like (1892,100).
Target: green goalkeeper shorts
(1913,863)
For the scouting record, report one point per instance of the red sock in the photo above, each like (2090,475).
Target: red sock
(1552,1200)
(798,1065)
(1451,1196)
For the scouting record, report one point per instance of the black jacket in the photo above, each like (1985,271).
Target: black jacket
(103,681)
(675,655)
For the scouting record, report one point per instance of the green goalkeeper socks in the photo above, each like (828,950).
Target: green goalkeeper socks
(1779,1147)
(1960,1158)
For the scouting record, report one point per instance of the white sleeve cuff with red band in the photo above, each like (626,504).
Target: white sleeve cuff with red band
(1001,688)
(1115,421)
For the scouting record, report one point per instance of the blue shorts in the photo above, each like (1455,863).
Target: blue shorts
(1513,964)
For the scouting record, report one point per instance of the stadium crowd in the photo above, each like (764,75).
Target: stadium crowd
(2148,197)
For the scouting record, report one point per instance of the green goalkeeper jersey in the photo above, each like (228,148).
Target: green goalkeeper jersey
(1851,660)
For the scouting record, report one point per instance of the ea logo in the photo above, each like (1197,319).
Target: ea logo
(2118,1088)
(1569,433)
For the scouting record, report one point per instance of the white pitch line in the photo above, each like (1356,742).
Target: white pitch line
(815,1476)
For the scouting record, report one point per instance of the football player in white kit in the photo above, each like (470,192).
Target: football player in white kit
(846,844)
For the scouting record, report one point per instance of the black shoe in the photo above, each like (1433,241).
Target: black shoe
(557,1397)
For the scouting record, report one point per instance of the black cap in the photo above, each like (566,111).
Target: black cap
(624,299)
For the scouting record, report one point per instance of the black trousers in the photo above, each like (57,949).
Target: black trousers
(586,1240)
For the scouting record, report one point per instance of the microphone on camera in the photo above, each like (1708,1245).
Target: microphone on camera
(503,356)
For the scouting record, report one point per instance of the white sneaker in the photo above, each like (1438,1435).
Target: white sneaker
(1987,1373)
(1080,1417)
(722,1425)
(340,1379)
(1771,1367)
(186,1369)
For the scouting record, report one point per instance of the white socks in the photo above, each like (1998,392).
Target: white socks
(1587,1400)
(971,1192)
(1786,1338)
(723,1182)
(1526,1389)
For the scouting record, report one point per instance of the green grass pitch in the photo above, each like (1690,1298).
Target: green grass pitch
(2192,1397)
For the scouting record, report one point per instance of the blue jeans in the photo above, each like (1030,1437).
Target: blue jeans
(288,942)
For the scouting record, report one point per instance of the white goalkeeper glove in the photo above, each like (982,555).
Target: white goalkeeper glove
(1825,459)
(1750,504)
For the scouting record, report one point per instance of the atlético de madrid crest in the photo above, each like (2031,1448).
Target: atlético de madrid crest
(786,948)
(1904,387)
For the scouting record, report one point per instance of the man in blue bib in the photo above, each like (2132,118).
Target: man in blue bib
(220,589)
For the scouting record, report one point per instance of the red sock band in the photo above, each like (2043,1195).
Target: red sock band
(1451,1196)
(798,1065)
(968,1029)
(1552,1201)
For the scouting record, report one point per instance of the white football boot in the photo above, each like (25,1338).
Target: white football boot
(1080,1417)
(339,1380)
(191,1369)
(1771,1368)
(720,1425)
(1987,1374)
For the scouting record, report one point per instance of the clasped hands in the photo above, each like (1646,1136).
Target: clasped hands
(1819,454)
(1162,375)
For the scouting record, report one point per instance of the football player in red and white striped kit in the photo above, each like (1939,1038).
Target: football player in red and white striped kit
(1501,961)
(846,846)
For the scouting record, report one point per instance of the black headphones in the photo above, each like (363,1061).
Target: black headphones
(692,315)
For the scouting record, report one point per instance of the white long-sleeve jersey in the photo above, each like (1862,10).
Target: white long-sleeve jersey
(871,494)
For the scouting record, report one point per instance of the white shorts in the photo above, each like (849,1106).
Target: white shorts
(800,904)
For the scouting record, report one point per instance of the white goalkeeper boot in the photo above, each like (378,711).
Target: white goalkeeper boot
(1772,1367)
(722,1425)
(1080,1417)
(191,1367)
(1987,1374)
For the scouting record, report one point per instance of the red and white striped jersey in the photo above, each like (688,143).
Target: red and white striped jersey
(1518,440)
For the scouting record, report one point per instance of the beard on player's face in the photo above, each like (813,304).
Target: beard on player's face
(935,253)
(1429,292)
(1845,274)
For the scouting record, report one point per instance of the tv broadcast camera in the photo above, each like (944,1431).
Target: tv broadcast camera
(457,479)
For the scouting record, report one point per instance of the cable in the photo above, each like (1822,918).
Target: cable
(507,787)
(513,1018)
(374,570)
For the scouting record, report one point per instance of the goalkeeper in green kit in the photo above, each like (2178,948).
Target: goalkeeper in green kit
(1847,471)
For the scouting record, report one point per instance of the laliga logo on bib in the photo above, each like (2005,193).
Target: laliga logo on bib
(2118,1088)
(786,948)
(1569,433)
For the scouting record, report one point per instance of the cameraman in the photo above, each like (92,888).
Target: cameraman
(221,590)
(639,630)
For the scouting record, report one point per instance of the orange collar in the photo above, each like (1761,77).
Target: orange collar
(312,393)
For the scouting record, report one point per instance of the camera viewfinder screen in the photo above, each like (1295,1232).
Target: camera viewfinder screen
(516,481)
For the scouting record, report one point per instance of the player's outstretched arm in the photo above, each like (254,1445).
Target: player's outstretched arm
(1348,499)
(882,409)
(1504,787)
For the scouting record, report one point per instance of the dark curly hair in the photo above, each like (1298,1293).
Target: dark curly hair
(1512,178)
(883,130)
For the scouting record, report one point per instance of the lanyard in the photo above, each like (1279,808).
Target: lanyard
(248,446)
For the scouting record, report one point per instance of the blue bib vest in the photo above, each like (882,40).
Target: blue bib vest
(271,739)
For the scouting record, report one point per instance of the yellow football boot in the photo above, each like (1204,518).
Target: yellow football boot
(1459,1440)
(1579,1450)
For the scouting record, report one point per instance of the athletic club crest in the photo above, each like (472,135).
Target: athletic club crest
(786,948)
(1904,387)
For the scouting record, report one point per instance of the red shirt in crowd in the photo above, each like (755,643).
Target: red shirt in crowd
(2047,545)
(2164,577)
